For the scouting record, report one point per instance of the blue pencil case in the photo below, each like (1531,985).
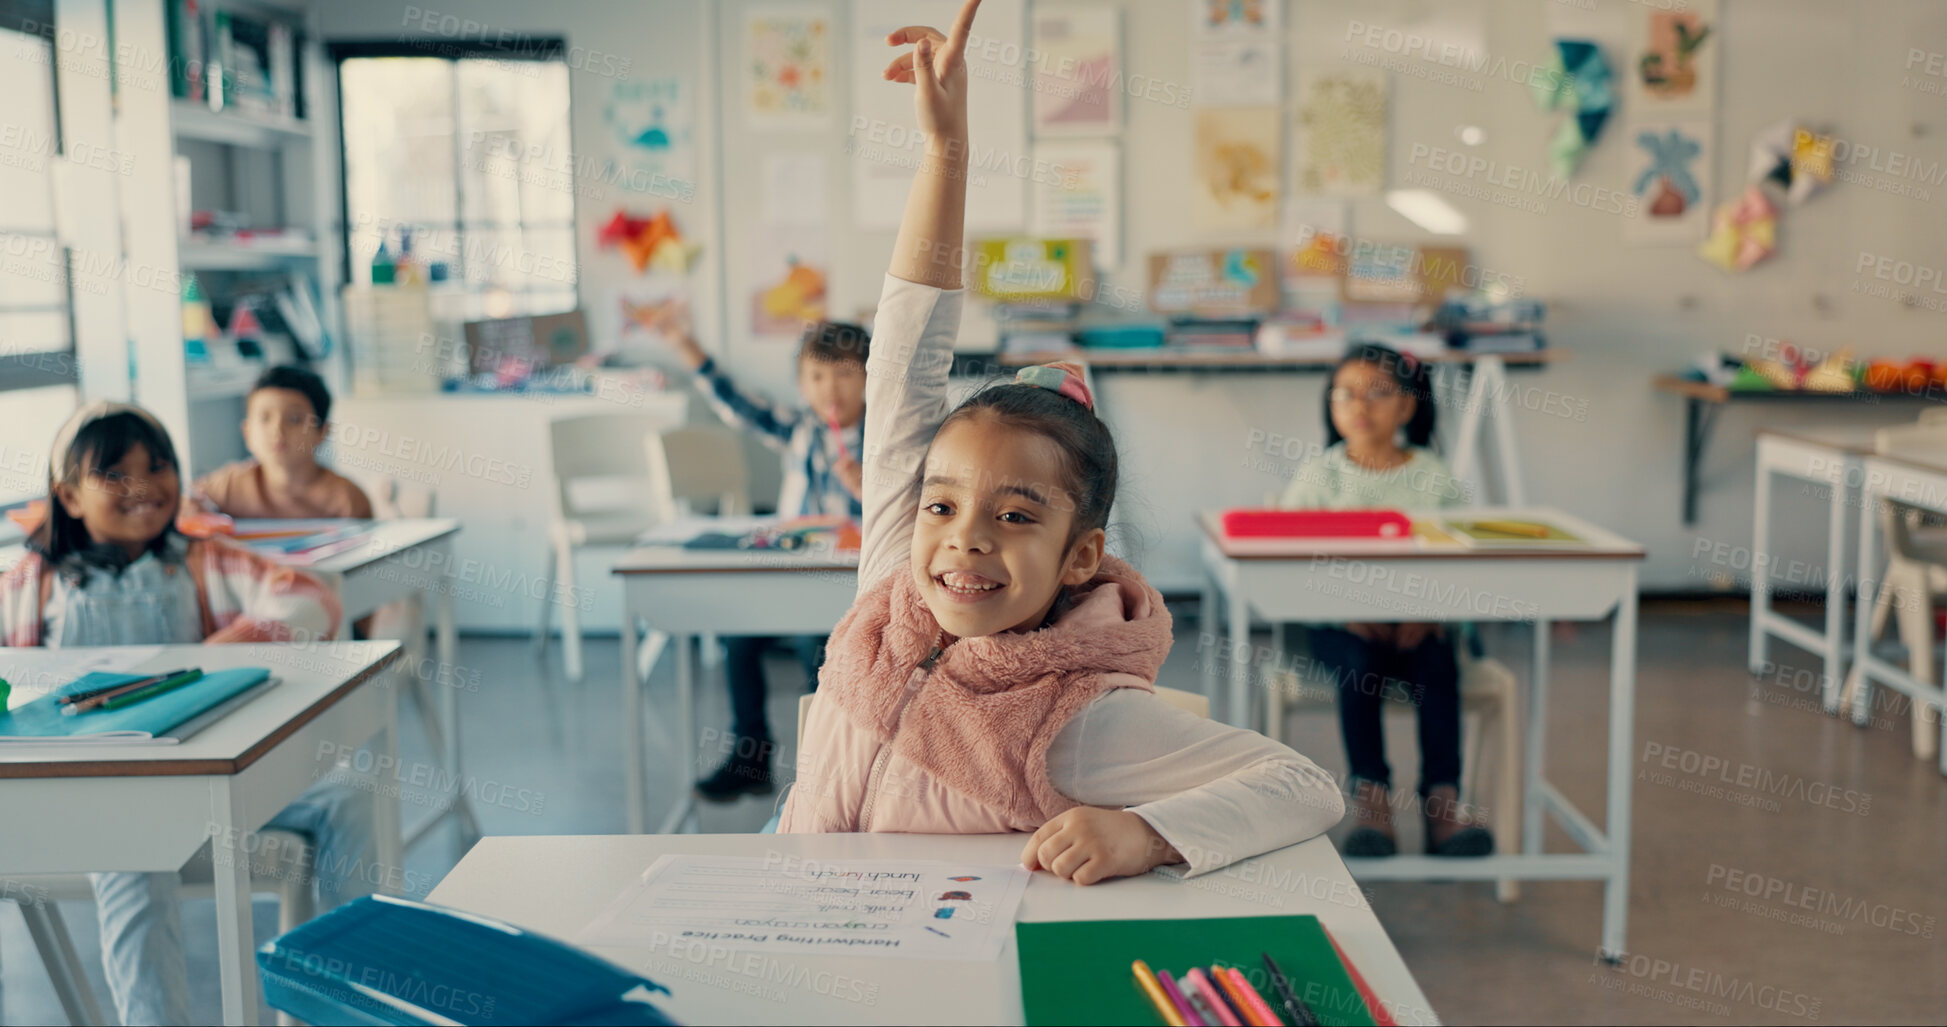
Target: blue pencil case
(381,960)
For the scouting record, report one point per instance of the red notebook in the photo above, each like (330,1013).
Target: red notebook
(1316,524)
(1377,1008)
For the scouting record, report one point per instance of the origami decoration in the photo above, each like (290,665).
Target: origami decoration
(1795,158)
(1580,81)
(1742,233)
(648,242)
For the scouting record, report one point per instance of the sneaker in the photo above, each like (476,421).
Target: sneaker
(1450,829)
(1373,815)
(739,776)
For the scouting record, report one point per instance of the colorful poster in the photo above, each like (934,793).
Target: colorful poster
(1080,196)
(1077,71)
(647,309)
(1235,162)
(1342,133)
(1670,174)
(794,189)
(789,270)
(883,142)
(787,68)
(1236,52)
(652,124)
(1675,60)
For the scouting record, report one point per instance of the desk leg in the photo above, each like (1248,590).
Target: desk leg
(632,735)
(685,733)
(1862,628)
(1759,654)
(1537,729)
(1622,741)
(1467,449)
(1238,710)
(1513,492)
(235,944)
(1835,592)
(388,829)
(446,643)
(1213,645)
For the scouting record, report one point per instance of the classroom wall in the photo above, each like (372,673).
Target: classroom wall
(1623,312)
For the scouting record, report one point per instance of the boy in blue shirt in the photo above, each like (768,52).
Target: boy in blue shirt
(819,442)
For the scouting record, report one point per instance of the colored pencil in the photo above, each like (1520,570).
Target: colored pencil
(1151,987)
(75,697)
(1253,1002)
(131,698)
(1182,1004)
(1202,988)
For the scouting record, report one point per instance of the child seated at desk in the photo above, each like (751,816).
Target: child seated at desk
(1373,397)
(285,419)
(997,671)
(106,567)
(819,442)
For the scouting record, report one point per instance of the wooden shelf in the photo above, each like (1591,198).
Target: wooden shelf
(236,127)
(1708,393)
(1239,359)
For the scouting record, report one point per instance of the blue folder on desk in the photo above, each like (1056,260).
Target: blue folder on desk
(169,717)
(381,960)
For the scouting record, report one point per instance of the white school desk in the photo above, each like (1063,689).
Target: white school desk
(684,593)
(528,882)
(1827,457)
(89,808)
(1914,483)
(1338,580)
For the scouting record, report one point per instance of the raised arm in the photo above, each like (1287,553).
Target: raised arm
(919,309)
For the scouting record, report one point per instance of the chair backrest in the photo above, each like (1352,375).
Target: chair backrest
(393,498)
(600,446)
(1194,702)
(695,463)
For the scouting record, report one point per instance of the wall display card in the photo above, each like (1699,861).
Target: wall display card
(647,309)
(1673,60)
(1670,172)
(789,271)
(1235,162)
(883,141)
(652,122)
(1214,283)
(787,68)
(794,189)
(1236,52)
(1077,71)
(1080,197)
(917,909)
(1342,133)
(1024,270)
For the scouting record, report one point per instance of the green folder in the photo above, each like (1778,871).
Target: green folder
(1077,972)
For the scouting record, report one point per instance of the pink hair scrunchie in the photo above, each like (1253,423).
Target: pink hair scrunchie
(1062,377)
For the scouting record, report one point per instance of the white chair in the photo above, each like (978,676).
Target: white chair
(593,453)
(1916,573)
(1489,700)
(704,462)
(1194,702)
(279,866)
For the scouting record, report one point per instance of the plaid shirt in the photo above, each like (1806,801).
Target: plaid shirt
(808,445)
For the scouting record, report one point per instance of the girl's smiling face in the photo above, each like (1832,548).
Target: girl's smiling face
(990,547)
(128,504)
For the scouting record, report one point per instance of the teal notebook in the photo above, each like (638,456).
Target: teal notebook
(169,717)
(1078,972)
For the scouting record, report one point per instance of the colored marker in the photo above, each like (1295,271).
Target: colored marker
(1220,1010)
(1253,1002)
(1228,989)
(838,436)
(1182,1004)
(1151,987)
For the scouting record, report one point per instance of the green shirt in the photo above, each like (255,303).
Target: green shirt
(1335,482)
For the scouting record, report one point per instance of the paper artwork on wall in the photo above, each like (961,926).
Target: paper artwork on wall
(648,309)
(1675,60)
(1077,71)
(1578,81)
(1670,173)
(787,68)
(794,189)
(652,124)
(1235,161)
(788,268)
(1342,132)
(1236,52)
(1080,196)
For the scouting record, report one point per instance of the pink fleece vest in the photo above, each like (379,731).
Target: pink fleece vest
(961,746)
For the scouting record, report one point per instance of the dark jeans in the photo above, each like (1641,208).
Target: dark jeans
(743,671)
(1363,670)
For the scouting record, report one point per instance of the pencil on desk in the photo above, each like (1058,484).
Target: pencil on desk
(1523,529)
(1183,1005)
(1254,1003)
(130,698)
(1202,988)
(1154,990)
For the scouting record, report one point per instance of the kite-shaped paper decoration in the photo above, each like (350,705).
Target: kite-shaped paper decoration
(1795,158)
(1670,157)
(1578,80)
(1742,233)
(652,242)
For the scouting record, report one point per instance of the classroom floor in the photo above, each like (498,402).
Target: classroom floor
(1697,955)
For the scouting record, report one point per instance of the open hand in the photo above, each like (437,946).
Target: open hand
(938,70)
(1087,845)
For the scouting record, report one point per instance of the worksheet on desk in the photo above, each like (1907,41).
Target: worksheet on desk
(919,909)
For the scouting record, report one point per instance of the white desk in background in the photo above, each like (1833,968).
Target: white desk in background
(1827,457)
(682,593)
(1914,483)
(1331,581)
(90,807)
(520,880)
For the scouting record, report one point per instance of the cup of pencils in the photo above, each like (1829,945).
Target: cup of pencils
(1221,996)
